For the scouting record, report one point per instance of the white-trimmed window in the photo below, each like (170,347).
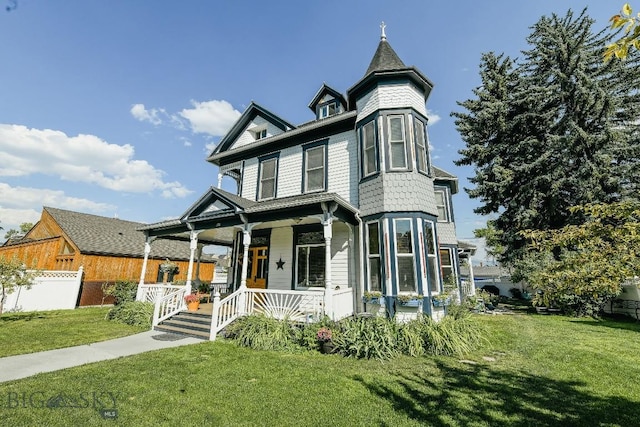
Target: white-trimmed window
(405,260)
(373,255)
(432,259)
(328,110)
(268,170)
(369,155)
(421,146)
(397,142)
(310,259)
(442,203)
(447,265)
(314,168)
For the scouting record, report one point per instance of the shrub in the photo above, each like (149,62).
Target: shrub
(265,333)
(451,336)
(122,291)
(410,339)
(367,338)
(491,289)
(309,333)
(515,293)
(135,313)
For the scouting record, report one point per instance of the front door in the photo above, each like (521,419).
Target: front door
(258,267)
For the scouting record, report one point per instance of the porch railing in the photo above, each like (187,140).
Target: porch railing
(226,310)
(343,303)
(169,304)
(298,306)
(151,293)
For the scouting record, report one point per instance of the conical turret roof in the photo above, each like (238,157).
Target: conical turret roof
(385,58)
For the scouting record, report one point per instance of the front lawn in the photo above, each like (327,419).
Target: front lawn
(22,333)
(539,371)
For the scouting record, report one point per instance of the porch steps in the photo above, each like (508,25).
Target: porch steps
(188,323)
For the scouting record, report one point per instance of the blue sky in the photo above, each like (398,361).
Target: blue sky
(110,107)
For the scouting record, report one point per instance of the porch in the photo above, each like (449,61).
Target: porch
(299,306)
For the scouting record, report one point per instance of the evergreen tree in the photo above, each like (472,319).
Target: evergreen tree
(556,130)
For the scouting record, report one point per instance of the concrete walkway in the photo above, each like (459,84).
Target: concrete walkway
(26,365)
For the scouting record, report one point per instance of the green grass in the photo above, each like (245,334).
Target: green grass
(542,371)
(22,333)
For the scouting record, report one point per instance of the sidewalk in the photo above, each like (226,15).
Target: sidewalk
(26,365)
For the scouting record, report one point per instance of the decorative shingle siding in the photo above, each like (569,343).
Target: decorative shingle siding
(400,95)
(447,233)
(368,104)
(395,192)
(343,166)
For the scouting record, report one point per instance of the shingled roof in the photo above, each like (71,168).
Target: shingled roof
(94,234)
(385,59)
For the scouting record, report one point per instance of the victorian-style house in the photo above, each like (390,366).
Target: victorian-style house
(335,209)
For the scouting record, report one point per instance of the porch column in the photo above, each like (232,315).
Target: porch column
(471,278)
(246,241)
(143,273)
(220,175)
(328,288)
(192,247)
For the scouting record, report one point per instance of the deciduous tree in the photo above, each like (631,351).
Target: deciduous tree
(13,274)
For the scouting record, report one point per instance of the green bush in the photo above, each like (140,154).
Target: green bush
(136,313)
(265,333)
(122,291)
(367,338)
(309,333)
(451,336)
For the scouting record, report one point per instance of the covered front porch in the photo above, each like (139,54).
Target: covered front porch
(302,258)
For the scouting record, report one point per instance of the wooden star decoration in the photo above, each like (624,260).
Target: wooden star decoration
(280,264)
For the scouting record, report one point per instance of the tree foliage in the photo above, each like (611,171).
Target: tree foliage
(555,129)
(591,260)
(24,228)
(13,274)
(630,26)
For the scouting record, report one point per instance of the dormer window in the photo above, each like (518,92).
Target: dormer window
(259,132)
(328,110)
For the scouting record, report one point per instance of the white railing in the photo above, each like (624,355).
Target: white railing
(298,306)
(342,303)
(151,293)
(169,304)
(227,310)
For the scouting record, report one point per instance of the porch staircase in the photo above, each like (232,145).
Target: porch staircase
(194,324)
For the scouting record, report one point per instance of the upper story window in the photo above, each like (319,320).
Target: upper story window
(397,142)
(442,203)
(267,178)
(259,132)
(328,110)
(315,171)
(369,149)
(422,153)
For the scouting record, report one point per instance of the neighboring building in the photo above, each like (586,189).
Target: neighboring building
(347,200)
(108,249)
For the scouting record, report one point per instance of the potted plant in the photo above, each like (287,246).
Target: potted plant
(372,297)
(193,302)
(324,339)
(409,300)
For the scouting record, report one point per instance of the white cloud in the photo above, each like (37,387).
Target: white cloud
(152,116)
(18,204)
(211,117)
(208,148)
(433,117)
(82,158)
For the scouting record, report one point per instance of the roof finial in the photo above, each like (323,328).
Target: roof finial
(383,36)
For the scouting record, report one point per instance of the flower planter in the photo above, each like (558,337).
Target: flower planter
(410,303)
(327,347)
(374,301)
(440,303)
(193,306)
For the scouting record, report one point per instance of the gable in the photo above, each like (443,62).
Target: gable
(215,201)
(255,124)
